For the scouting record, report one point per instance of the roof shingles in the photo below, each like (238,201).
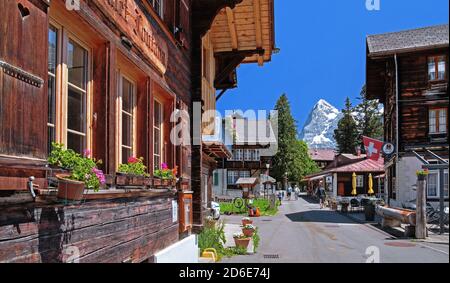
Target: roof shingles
(409,40)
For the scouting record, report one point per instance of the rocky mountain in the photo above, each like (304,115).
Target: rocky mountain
(319,128)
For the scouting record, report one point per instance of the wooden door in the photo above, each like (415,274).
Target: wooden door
(341,189)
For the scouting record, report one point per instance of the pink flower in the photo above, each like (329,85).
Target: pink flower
(164,166)
(100,176)
(133,160)
(87,153)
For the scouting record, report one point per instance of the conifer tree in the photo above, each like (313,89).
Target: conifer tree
(347,135)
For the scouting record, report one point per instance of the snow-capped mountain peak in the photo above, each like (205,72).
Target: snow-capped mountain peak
(319,129)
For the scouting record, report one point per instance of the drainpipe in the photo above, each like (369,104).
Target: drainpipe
(397,130)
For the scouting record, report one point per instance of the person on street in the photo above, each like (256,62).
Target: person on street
(297,192)
(289,192)
(321,195)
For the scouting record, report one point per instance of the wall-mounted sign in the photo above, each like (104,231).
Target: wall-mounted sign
(132,21)
(329,179)
(174,211)
(388,148)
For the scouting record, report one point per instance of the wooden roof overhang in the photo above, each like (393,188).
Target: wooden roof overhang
(243,34)
(216,150)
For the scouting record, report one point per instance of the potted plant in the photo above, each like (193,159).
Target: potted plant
(246,221)
(84,173)
(133,173)
(422,174)
(248,230)
(369,210)
(241,241)
(165,177)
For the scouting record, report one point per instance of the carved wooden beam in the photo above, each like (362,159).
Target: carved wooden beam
(204,12)
(232,28)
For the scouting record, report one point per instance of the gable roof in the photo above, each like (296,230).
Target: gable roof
(363,166)
(408,40)
(322,154)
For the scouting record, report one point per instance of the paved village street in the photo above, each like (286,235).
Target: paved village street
(303,233)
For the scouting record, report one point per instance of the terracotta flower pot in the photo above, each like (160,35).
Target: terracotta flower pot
(242,243)
(247,222)
(248,232)
(69,189)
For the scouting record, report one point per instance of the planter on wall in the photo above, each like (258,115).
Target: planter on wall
(130,180)
(69,189)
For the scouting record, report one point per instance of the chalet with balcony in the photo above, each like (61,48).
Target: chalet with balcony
(226,34)
(115,78)
(408,72)
(252,149)
(322,157)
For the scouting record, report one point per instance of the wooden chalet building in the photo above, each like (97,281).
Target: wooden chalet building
(106,76)
(337,176)
(408,72)
(322,157)
(251,156)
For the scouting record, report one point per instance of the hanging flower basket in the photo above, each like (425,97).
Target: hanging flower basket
(69,189)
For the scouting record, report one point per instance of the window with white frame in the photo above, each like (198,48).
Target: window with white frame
(77,65)
(157,134)
(247,154)
(127,120)
(232,177)
(438,120)
(158,5)
(237,155)
(245,174)
(433,184)
(436,68)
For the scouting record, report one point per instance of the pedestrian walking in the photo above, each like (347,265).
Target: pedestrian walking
(289,192)
(321,195)
(297,192)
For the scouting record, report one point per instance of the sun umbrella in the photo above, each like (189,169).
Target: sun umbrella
(370,192)
(354,192)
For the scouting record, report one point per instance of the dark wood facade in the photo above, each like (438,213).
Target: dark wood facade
(158,50)
(411,87)
(122,39)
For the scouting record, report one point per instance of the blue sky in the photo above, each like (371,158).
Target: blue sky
(323,51)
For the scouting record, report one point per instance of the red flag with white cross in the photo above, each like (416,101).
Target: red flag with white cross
(373,148)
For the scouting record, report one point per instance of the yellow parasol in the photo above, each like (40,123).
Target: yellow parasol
(354,192)
(370,192)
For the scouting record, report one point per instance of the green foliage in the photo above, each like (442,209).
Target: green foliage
(234,251)
(346,135)
(83,169)
(165,173)
(212,236)
(287,135)
(135,166)
(61,157)
(368,118)
(256,239)
(302,164)
(262,204)
(292,156)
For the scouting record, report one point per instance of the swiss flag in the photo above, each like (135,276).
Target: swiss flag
(373,148)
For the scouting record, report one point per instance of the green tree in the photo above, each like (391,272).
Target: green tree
(302,164)
(368,118)
(346,135)
(292,156)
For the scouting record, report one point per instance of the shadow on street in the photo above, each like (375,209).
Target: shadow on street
(321,216)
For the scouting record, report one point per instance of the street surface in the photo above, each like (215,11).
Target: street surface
(302,233)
